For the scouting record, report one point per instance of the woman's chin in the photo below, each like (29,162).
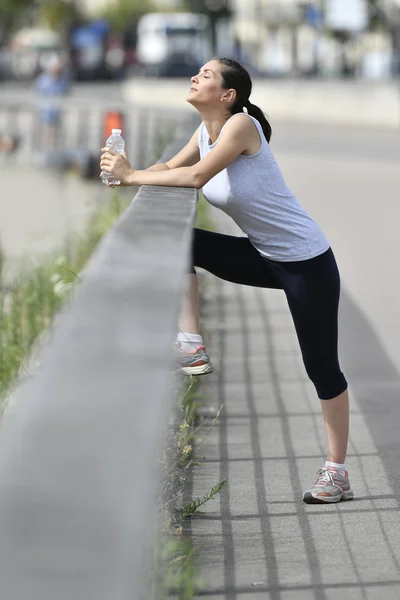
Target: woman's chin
(191,100)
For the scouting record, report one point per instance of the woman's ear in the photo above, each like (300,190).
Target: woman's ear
(229,96)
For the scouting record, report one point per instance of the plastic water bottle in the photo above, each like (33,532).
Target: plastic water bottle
(114,141)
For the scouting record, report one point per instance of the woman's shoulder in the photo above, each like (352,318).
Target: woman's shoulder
(241,119)
(241,123)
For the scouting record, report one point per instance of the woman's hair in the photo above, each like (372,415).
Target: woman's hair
(237,77)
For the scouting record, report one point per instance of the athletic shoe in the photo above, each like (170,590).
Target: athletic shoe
(196,362)
(330,486)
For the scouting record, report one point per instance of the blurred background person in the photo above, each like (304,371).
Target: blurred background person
(52,85)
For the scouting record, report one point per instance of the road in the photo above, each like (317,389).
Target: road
(39,208)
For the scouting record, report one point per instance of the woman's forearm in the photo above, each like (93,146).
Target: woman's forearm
(158,167)
(180,177)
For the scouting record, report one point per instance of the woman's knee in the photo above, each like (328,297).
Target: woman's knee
(328,379)
(327,390)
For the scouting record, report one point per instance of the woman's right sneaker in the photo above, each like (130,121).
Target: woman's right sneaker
(196,362)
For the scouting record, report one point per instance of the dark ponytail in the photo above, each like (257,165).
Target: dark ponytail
(257,113)
(235,76)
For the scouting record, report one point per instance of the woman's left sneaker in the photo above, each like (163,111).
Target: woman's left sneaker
(330,486)
(196,362)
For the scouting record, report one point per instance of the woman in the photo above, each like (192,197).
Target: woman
(230,158)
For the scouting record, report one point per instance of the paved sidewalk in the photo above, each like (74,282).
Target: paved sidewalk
(258,539)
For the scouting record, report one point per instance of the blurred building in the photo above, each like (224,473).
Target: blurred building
(302,37)
(315,37)
(265,31)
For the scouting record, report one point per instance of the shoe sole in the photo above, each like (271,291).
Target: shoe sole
(308,498)
(200,370)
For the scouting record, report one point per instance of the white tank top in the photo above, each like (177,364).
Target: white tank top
(253,192)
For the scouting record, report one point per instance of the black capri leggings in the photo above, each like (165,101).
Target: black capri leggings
(312,288)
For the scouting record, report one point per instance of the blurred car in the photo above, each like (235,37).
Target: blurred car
(96,53)
(172,44)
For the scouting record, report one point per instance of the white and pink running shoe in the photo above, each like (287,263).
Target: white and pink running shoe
(196,362)
(330,486)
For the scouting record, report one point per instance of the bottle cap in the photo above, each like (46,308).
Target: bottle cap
(116,130)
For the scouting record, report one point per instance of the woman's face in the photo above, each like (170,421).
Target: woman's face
(206,88)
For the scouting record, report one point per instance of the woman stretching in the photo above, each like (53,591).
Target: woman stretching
(230,158)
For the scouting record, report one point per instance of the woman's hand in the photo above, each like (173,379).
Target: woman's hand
(116,164)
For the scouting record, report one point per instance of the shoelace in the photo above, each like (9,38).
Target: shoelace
(325,476)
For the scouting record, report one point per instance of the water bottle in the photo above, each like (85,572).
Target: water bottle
(114,141)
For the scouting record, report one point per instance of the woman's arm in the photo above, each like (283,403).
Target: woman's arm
(233,142)
(189,155)
(158,167)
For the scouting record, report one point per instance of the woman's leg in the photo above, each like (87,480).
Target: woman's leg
(230,258)
(312,288)
(190,352)
(189,320)
(336,417)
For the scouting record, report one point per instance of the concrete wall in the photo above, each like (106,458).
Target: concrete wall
(350,103)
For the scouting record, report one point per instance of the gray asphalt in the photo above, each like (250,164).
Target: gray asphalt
(259,540)
(39,208)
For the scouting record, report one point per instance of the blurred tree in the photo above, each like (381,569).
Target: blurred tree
(15,13)
(215,10)
(59,14)
(122,13)
(56,14)
(376,14)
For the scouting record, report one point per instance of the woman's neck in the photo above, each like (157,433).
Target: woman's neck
(214,121)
